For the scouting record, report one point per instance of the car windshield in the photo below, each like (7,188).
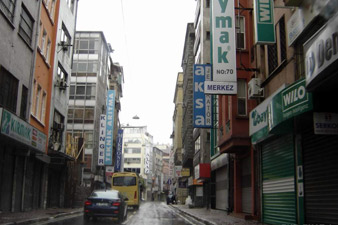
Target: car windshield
(124,181)
(105,194)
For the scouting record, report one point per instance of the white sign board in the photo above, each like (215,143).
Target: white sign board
(224,42)
(325,123)
(102,140)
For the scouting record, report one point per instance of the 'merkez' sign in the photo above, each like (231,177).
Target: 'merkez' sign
(118,159)
(108,154)
(224,45)
(202,103)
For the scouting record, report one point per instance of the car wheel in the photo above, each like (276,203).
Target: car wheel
(126,215)
(121,218)
(86,217)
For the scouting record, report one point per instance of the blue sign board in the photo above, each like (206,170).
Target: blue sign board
(108,154)
(202,103)
(118,159)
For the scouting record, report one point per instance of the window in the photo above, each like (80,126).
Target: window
(26,25)
(70,4)
(52,10)
(37,101)
(89,139)
(48,51)
(43,42)
(7,7)
(62,76)
(8,90)
(241,98)
(124,181)
(89,115)
(57,131)
(24,98)
(240,32)
(132,160)
(132,150)
(78,115)
(207,3)
(43,107)
(65,40)
(89,46)
(277,51)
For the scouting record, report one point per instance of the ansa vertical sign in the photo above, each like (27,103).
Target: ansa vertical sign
(202,103)
(118,159)
(102,140)
(108,154)
(264,22)
(224,48)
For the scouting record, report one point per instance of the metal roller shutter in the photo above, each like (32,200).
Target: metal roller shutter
(320,161)
(278,171)
(246,185)
(222,188)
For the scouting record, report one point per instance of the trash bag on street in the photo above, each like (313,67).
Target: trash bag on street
(188,200)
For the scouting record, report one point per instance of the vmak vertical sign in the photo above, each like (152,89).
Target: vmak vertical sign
(108,154)
(264,22)
(224,49)
(202,102)
(118,160)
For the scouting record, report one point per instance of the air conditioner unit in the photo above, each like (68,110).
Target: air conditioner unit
(63,84)
(254,88)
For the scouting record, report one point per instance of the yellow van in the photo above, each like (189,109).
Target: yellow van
(128,184)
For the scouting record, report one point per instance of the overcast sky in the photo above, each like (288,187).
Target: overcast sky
(148,38)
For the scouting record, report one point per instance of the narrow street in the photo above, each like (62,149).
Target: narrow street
(154,213)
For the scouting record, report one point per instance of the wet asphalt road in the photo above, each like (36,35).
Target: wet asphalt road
(149,213)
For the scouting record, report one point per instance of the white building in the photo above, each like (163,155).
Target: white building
(137,153)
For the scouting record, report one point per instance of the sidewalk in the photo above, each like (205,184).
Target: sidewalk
(212,216)
(24,218)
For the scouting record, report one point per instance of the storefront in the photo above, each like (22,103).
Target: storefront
(220,194)
(274,132)
(319,129)
(23,176)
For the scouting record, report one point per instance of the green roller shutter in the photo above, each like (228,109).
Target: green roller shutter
(278,172)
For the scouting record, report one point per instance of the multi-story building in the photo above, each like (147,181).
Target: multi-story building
(22,151)
(137,148)
(294,128)
(53,68)
(181,191)
(89,86)
(232,133)
(187,125)
(201,136)
(157,187)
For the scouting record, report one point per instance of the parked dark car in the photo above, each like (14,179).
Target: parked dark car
(106,203)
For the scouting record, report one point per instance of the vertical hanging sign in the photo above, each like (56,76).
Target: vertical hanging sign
(202,102)
(102,140)
(118,159)
(224,49)
(108,154)
(264,22)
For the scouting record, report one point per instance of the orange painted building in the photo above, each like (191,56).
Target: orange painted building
(233,119)
(44,66)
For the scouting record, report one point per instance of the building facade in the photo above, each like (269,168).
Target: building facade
(292,128)
(136,150)
(89,85)
(17,60)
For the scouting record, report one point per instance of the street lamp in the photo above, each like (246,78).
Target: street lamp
(136,117)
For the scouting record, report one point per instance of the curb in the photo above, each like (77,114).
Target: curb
(193,216)
(42,219)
